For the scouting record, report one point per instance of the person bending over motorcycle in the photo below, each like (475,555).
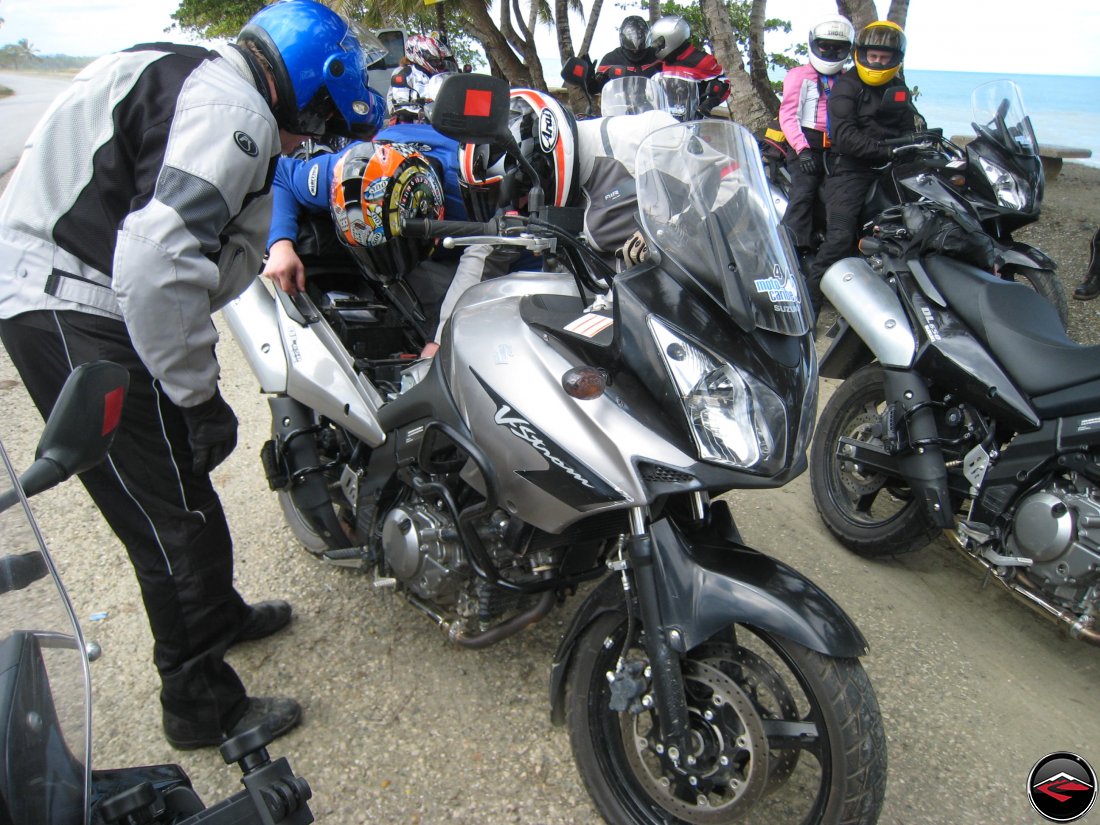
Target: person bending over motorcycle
(860,120)
(632,56)
(145,232)
(670,39)
(424,58)
(804,119)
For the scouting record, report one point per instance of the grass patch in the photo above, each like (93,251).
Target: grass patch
(5,91)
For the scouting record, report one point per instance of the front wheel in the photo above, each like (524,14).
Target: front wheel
(873,515)
(779,733)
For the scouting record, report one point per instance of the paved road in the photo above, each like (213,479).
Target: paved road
(21,111)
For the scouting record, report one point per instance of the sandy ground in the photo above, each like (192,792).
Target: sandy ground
(399,727)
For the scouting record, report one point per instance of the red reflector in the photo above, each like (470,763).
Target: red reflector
(478,103)
(112,409)
(900,96)
(578,71)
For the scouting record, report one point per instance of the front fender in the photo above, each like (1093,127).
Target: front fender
(1025,256)
(705,585)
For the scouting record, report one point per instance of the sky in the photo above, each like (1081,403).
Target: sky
(949,35)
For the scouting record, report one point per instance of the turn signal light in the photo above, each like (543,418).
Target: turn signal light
(584,383)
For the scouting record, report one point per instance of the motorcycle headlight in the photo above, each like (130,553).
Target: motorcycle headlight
(1010,192)
(734,418)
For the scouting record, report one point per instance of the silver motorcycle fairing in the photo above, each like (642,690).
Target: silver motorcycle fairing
(558,458)
(251,319)
(873,310)
(316,369)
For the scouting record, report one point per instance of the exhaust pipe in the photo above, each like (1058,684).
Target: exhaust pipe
(457,634)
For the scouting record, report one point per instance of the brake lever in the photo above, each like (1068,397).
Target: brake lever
(529,242)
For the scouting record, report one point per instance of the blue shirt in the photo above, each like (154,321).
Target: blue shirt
(307,184)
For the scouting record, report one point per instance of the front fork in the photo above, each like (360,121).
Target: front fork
(921,461)
(669,698)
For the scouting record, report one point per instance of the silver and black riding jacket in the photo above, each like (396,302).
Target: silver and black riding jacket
(142,194)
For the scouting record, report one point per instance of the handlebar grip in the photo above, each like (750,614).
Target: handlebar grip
(900,141)
(441,229)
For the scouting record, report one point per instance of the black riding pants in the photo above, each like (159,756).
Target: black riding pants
(845,192)
(170,519)
(802,200)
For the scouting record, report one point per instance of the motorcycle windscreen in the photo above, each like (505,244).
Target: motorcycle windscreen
(632,95)
(45,693)
(680,92)
(997,111)
(705,204)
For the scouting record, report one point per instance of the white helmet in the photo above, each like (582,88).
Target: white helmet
(831,44)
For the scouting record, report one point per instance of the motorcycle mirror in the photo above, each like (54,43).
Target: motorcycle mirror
(473,108)
(578,71)
(81,425)
(896,99)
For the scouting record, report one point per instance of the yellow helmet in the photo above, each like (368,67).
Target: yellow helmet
(880,36)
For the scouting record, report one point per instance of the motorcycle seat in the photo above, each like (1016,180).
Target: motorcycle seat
(1021,328)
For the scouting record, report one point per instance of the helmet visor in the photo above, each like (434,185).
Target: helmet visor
(831,50)
(878,58)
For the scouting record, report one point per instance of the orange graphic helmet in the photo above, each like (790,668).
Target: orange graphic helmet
(374,186)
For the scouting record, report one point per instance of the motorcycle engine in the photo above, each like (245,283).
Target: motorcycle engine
(422,548)
(1059,530)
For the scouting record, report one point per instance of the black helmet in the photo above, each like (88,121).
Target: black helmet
(632,37)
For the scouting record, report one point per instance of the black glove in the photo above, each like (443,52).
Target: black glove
(211,432)
(807,162)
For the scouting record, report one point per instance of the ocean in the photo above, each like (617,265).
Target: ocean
(1064,110)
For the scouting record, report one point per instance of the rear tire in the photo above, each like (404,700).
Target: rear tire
(871,514)
(780,734)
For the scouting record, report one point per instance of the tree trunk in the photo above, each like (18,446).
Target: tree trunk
(530,50)
(758,61)
(495,43)
(654,11)
(899,10)
(860,12)
(590,29)
(744,103)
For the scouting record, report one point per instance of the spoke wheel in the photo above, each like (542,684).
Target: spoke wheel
(872,514)
(778,733)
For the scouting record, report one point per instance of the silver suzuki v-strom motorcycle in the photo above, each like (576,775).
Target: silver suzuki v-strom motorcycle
(46,775)
(556,439)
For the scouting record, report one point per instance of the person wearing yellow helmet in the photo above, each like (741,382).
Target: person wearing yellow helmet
(866,108)
(880,48)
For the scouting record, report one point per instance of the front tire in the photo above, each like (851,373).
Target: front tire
(871,514)
(779,733)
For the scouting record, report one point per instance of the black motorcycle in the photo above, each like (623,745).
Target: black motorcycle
(966,408)
(45,689)
(996,179)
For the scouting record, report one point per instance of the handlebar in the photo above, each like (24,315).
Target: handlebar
(916,137)
(442,229)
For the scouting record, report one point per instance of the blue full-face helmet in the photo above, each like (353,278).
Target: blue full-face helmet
(320,63)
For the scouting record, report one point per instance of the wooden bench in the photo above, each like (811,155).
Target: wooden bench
(1051,155)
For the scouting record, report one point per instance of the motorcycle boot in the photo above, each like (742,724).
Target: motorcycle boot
(277,714)
(1089,288)
(264,619)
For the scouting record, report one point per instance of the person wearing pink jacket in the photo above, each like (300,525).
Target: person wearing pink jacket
(803,116)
